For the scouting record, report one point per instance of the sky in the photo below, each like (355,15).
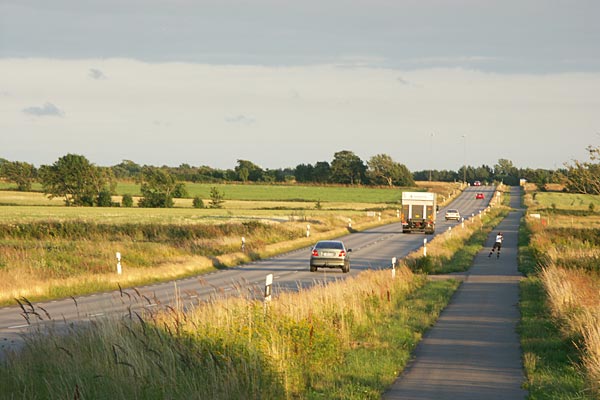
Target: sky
(435,84)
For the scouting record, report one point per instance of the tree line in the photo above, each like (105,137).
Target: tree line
(81,183)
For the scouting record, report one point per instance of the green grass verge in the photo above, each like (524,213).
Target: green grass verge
(550,362)
(384,348)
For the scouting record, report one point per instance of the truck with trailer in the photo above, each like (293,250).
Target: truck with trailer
(418,212)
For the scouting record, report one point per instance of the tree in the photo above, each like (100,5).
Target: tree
(405,177)
(157,187)
(347,167)
(127,169)
(248,171)
(304,173)
(322,172)
(584,177)
(21,173)
(506,172)
(382,170)
(74,178)
(216,198)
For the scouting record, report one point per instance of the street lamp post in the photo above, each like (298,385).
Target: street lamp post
(465,159)
(430,155)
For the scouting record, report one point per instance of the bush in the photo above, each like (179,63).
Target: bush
(180,191)
(156,200)
(104,199)
(127,200)
(198,202)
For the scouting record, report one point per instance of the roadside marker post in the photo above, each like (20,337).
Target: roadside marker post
(307,230)
(268,286)
(394,268)
(425,247)
(119,269)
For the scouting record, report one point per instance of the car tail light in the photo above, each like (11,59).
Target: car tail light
(315,253)
(342,253)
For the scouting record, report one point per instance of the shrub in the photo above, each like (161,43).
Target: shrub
(104,199)
(127,200)
(198,202)
(180,191)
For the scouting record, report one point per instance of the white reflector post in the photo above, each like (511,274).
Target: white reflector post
(268,285)
(119,270)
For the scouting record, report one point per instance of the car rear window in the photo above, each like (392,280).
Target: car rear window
(329,245)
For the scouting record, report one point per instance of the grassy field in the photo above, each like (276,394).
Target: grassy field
(560,298)
(257,192)
(48,250)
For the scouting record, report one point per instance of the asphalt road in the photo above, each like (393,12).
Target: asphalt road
(371,249)
(473,351)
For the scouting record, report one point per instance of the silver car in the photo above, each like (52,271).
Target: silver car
(330,254)
(452,214)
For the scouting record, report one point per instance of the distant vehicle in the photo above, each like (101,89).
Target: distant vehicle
(330,254)
(477,183)
(452,214)
(479,196)
(418,212)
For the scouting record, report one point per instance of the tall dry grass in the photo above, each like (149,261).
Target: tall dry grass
(574,300)
(304,328)
(227,348)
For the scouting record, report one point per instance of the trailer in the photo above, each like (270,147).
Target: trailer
(418,212)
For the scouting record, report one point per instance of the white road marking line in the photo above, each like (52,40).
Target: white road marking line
(18,326)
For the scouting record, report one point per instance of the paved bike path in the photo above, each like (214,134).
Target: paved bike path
(473,351)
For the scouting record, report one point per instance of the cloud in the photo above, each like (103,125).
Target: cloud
(161,124)
(96,74)
(240,119)
(47,110)
(458,60)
